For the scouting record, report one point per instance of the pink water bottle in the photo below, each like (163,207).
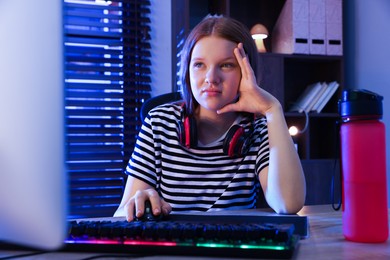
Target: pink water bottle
(363,161)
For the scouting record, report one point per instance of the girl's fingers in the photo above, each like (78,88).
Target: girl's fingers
(129,209)
(240,54)
(243,61)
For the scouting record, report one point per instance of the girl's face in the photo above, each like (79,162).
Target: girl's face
(214,72)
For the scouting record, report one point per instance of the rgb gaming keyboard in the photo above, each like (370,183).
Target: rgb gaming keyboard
(207,235)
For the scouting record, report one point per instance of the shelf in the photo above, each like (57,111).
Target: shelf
(321,176)
(320,140)
(302,57)
(312,115)
(286,76)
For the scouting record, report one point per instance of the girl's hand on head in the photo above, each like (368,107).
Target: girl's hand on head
(252,98)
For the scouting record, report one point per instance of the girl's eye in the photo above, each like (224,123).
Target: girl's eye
(228,65)
(197,65)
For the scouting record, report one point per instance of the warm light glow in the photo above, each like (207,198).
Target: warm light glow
(259,32)
(259,36)
(293,130)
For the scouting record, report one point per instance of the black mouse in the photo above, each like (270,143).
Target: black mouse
(148,214)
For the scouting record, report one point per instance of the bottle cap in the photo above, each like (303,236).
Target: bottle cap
(360,102)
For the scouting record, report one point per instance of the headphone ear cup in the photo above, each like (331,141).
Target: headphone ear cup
(181,132)
(193,133)
(235,141)
(190,136)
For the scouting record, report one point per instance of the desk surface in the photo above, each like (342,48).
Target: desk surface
(326,241)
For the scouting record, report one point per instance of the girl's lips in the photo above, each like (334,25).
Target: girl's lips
(211,90)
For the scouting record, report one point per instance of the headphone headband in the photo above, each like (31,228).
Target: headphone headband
(235,144)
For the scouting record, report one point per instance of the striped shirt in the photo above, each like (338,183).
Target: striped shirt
(201,178)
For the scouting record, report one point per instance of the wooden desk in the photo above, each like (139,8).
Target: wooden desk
(325,241)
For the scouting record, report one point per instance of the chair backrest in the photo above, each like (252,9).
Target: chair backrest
(158,100)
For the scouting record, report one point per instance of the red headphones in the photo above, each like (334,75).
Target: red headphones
(235,144)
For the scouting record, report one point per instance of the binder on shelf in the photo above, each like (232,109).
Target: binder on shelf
(291,31)
(334,27)
(327,95)
(317,27)
(306,98)
(315,97)
(309,27)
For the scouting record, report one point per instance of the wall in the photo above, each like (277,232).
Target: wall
(367,54)
(161,46)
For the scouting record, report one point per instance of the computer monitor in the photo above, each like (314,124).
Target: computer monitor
(33,204)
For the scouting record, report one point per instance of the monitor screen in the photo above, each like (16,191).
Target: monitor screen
(32,166)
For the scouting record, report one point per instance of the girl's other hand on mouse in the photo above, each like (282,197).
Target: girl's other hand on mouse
(136,205)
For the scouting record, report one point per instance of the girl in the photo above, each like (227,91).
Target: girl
(226,142)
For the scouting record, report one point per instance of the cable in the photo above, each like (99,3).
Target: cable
(337,153)
(295,131)
(306,122)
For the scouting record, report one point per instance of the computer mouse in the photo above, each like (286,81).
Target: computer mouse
(148,214)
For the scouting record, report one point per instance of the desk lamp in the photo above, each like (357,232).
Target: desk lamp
(259,32)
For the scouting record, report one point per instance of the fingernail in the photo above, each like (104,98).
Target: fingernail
(165,211)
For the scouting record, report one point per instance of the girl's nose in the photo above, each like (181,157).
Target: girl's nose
(212,76)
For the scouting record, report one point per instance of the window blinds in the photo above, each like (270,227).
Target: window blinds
(107,79)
